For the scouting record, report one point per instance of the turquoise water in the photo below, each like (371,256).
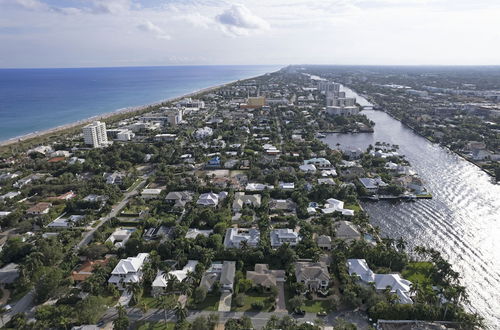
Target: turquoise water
(37,99)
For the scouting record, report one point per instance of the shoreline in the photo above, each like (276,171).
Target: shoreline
(117,112)
(492,176)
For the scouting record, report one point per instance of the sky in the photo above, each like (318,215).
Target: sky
(93,33)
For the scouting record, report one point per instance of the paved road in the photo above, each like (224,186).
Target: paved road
(87,237)
(259,319)
(22,305)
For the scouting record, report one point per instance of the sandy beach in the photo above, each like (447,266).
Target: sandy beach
(129,110)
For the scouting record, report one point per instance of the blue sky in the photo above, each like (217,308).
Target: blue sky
(76,33)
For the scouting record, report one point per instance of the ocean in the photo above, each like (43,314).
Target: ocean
(33,100)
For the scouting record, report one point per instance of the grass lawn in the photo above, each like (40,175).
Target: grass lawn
(154,326)
(250,298)
(211,303)
(152,302)
(110,300)
(314,306)
(354,207)
(418,272)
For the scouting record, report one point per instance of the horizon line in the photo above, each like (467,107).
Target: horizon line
(235,65)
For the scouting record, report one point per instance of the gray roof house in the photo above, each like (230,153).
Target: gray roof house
(346,231)
(263,276)
(240,199)
(179,198)
(283,235)
(324,242)
(227,276)
(314,275)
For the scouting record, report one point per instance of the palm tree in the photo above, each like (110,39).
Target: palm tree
(172,283)
(165,304)
(180,312)
(400,244)
(135,289)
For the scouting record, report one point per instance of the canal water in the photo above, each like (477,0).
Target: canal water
(462,221)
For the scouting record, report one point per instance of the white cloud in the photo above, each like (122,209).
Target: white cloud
(111,6)
(239,20)
(150,27)
(27,4)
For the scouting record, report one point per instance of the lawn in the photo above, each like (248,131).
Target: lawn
(251,298)
(154,326)
(152,302)
(314,306)
(354,207)
(211,303)
(418,272)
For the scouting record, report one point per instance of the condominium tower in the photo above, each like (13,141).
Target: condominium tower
(95,134)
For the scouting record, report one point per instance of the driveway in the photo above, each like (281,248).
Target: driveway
(280,300)
(225,302)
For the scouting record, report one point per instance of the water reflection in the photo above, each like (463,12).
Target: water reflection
(462,220)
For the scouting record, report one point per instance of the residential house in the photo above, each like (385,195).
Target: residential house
(62,222)
(235,237)
(314,275)
(227,276)
(286,205)
(194,232)
(161,281)
(372,184)
(324,242)
(39,208)
(397,285)
(85,270)
(211,199)
(151,193)
(128,271)
(120,236)
(334,205)
(318,162)
(265,277)
(240,200)
(284,235)
(309,168)
(211,276)
(179,198)
(346,231)
(287,185)
(114,178)
(257,187)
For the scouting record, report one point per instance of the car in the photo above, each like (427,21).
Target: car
(322,313)
(299,312)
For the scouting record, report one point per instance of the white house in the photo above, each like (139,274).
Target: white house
(160,283)
(318,162)
(334,205)
(203,133)
(151,193)
(211,199)
(398,285)
(236,236)
(309,168)
(128,270)
(194,232)
(287,185)
(120,236)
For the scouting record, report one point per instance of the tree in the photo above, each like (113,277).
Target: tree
(165,304)
(90,309)
(121,322)
(245,285)
(296,302)
(180,312)
(136,290)
(201,323)
(48,283)
(199,294)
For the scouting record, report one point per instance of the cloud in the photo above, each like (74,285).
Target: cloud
(27,4)
(239,20)
(150,27)
(111,6)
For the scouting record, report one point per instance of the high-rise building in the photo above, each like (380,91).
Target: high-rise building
(95,134)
